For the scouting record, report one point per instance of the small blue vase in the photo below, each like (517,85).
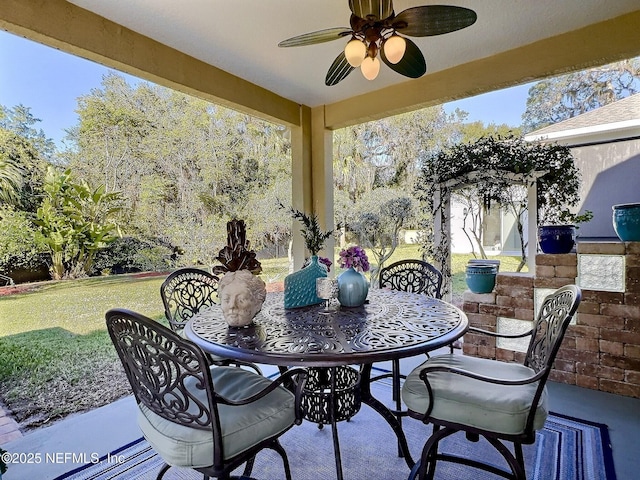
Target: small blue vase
(300,286)
(353,288)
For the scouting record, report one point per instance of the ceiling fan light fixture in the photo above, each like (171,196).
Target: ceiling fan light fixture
(370,68)
(394,48)
(355,52)
(374,26)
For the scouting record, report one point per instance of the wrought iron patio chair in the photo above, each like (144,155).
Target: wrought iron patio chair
(416,276)
(502,402)
(208,418)
(186,292)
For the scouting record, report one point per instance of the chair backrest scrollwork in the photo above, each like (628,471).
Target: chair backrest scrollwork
(185,292)
(415,276)
(552,321)
(163,369)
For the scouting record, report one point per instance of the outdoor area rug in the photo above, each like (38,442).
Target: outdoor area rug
(566,449)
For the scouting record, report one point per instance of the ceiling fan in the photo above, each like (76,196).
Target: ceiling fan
(375,29)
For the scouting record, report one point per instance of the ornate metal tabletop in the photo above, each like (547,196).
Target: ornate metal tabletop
(391,325)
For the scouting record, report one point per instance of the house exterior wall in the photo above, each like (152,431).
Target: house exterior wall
(610,173)
(501,238)
(601,349)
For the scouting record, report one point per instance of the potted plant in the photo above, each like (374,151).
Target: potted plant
(626,221)
(300,286)
(481,277)
(557,233)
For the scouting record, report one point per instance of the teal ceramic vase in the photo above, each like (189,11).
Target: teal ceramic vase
(300,286)
(626,221)
(481,278)
(353,288)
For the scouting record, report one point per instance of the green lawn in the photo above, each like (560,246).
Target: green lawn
(55,354)
(56,357)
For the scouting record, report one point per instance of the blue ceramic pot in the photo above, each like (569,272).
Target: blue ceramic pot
(626,221)
(481,278)
(353,288)
(556,238)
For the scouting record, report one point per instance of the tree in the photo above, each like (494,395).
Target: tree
(472,131)
(20,121)
(24,154)
(377,154)
(375,158)
(559,98)
(377,223)
(185,167)
(75,222)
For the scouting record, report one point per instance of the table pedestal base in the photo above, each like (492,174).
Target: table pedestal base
(334,394)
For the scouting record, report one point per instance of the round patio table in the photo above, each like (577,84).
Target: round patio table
(391,325)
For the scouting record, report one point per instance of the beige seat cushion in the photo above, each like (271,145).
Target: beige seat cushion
(486,406)
(242,426)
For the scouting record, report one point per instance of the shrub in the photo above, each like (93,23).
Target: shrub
(19,249)
(132,254)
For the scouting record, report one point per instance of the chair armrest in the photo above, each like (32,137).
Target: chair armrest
(295,376)
(501,335)
(458,371)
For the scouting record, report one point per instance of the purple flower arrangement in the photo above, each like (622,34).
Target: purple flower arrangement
(326,262)
(355,257)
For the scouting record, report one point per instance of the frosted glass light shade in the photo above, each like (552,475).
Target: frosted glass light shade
(394,48)
(355,52)
(370,68)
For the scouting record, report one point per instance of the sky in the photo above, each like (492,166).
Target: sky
(50,81)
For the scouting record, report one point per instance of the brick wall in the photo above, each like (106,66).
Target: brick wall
(602,350)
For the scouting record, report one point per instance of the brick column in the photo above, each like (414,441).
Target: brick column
(601,350)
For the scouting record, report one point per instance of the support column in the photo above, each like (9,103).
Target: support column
(322,177)
(312,178)
(301,194)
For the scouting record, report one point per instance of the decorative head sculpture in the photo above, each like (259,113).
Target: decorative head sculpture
(241,297)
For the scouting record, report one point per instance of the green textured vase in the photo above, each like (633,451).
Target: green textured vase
(300,286)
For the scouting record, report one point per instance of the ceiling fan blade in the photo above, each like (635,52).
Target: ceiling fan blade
(430,20)
(412,65)
(380,9)
(321,36)
(338,71)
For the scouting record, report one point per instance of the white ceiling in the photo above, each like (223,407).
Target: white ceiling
(241,36)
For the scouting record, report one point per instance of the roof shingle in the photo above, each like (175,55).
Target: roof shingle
(622,110)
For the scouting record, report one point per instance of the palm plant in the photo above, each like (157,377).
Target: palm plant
(10,180)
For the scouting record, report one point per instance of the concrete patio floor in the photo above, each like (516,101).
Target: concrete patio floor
(79,438)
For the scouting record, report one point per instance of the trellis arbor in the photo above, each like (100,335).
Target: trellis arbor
(493,165)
